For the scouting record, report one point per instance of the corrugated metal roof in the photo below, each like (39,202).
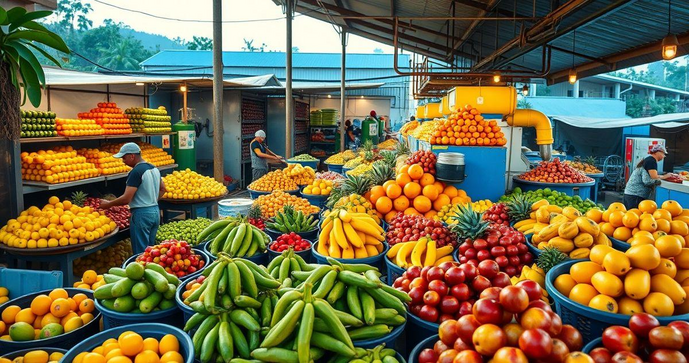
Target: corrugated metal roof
(609,123)
(203,58)
(608,77)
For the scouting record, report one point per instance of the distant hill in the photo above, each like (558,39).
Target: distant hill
(152,41)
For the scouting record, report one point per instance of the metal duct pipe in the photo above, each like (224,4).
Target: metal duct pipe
(539,121)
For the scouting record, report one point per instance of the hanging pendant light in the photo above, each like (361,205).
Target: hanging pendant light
(496,77)
(572,78)
(525,90)
(670,43)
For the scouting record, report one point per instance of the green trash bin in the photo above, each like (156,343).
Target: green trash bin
(184,145)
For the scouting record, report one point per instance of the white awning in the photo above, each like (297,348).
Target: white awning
(611,123)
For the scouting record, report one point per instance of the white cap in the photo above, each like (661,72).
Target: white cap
(260,133)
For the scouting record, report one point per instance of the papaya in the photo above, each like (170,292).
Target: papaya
(562,244)
(548,232)
(542,215)
(668,286)
(604,302)
(587,225)
(598,253)
(554,208)
(580,253)
(556,218)
(542,245)
(637,284)
(684,307)
(607,283)
(571,213)
(658,304)
(539,204)
(603,239)
(666,267)
(582,272)
(568,230)
(583,240)
(629,306)
(644,257)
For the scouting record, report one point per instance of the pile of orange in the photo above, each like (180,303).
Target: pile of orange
(466,127)
(90,280)
(60,165)
(275,201)
(131,347)
(72,127)
(48,315)
(110,118)
(104,161)
(275,180)
(412,192)
(647,223)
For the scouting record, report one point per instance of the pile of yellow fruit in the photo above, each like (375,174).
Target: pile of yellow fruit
(90,280)
(300,174)
(643,279)
(152,154)
(319,187)
(72,127)
(409,127)
(357,204)
(47,316)
(481,205)
(421,253)
(104,259)
(4,295)
(36,356)
(275,180)
(104,161)
(340,158)
(425,131)
(57,224)
(188,185)
(360,170)
(132,347)
(275,201)
(388,144)
(447,211)
(353,163)
(646,220)
(60,165)
(350,235)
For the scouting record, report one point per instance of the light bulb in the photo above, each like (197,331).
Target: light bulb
(572,76)
(496,77)
(330,96)
(139,83)
(670,45)
(183,88)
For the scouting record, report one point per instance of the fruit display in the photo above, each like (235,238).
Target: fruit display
(388,144)
(585,167)
(104,161)
(62,164)
(132,347)
(555,172)
(4,295)
(329,175)
(302,175)
(408,127)
(421,253)
(646,224)
(426,131)
(641,279)
(56,224)
(497,214)
(101,261)
(553,197)
(255,217)
(274,180)
(319,187)
(234,237)
(191,286)
(466,126)
(405,227)
(137,289)
(47,316)
(37,124)
(340,158)
(645,340)
(149,120)
(190,185)
(152,154)
(80,127)
(90,280)
(350,235)
(176,257)
(508,324)
(118,214)
(37,356)
(355,203)
(275,201)
(184,230)
(289,241)
(289,220)
(425,158)
(376,354)
(302,157)
(109,117)
(360,170)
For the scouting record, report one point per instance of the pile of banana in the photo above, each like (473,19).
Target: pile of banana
(235,237)
(350,235)
(422,253)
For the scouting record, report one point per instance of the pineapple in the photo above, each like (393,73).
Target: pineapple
(389,158)
(381,172)
(591,160)
(78,198)
(518,207)
(469,223)
(367,146)
(549,257)
(369,157)
(355,185)
(255,211)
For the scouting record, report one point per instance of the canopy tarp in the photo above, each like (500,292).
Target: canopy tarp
(612,123)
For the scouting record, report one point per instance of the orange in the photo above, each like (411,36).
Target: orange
(401,203)
(404,169)
(430,214)
(60,307)
(564,284)
(93,358)
(605,217)
(648,206)
(450,191)
(663,224)
(616,218)
(607,228)
(390,215)
(415,171)
(72,304)
(376,192)
(431,192)
(622,234)
(89,277)
(635,211)
(648,224)
(48,319)
(662,214)
(411,211)
(617,206)
(427,179)
(26,316)
(86,306)
(151,344)
(669,246)
(441,201)
(131,344)
(68,317)
(643,238)
(658,234)
(383,204)
(393,191)
(58,293)
(583,293)
(461,193)
(9,314)
(107,348)
(169,343)
(80,357)
(630,219)
(40,305)
(78,298)
(679,227)
(172,357)
(595,215)
(388,183)
(402,179)
(411,190)
(581,272)
(658,304)
(673,207)
(422,204)
(114,353)
(147,356)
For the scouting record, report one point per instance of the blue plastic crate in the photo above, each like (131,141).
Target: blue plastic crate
(148,330)
(426,343)
(114,319)
(376,261)
(24,282)
(204,257)
(60,341)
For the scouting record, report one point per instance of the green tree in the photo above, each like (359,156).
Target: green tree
(249,46)
(124,55)
(73,14)
(645,107)
(200,43)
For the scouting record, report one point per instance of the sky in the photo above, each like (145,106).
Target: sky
(309,35)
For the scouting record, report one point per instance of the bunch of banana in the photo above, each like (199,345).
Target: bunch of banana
(237,238)
(377,354)
(422,253)
(350,235)
(288,220)
(213,230)
(282,266)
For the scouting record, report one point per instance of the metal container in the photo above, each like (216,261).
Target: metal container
(450,167)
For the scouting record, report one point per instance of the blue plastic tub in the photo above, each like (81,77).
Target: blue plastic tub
(310,235)
(65,340)
(24,282)
(187,312)
(590,322)
(317,200)
(393,271)
(391,340)
(419,330)
(581,189)
(598,342)
(197,250)
(21,353)
(335,168)
(114,319)
(619,245)
(426,343)
(312,164)
(305,255)
(376,261)
(533,249)
(149,330)
(345,170)
(260,258)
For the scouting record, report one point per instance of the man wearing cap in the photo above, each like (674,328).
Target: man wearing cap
(144,188)
(260,154)
(644,178)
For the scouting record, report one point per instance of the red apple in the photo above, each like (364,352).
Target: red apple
(642,323)
(480,283)
(435,273)
(461,291)
(490,293)
(683,328)
(572,337)
(468,356)
(488,338)
(465,327)
(429,313)
(601,355)
(513,332)
(454,275)
(501,280)
(535,318)
(666,356)
(540,304)
(514,299)
(556,325)
(461,345)
(532,288)
(431,298)
(428,356)
(559,352)
(620,339)
(465,308)
(470,271)
(449,304)
(413,272)
(626,357)
(447,332)
(447,265)
(509,355)
(487,311)
(438,286)
(666,337)
(536,343)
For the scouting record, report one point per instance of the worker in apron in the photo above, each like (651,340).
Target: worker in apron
(260,154)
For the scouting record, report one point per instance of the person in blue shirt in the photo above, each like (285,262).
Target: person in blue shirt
(144,188)
(260,154)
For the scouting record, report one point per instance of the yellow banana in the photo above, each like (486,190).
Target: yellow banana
(339,234)
(370,240)
(323,247)
(360,225)
(348,253)
(403,253)
(334,250)
(360,252)
(379,247)
(419,249)
(372,250)
(523,222)
(326,221)
(344,216)
(392,252)
(443,251)
(352,235)
(441,260)
(325,233)
(362,236)
(430,254)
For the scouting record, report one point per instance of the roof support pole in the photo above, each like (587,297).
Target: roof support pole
(343,100)
(218,158)
(289,101)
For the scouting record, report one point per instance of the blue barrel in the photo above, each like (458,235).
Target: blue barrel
(426,343)
(583,190)
(317,200)
(335,167)
(419,330)
(199,251)
(391,340)
(376,261)
(114,319)
(305,254)
(394,271)
(313,164)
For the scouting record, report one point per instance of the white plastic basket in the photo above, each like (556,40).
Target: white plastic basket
(234,206)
